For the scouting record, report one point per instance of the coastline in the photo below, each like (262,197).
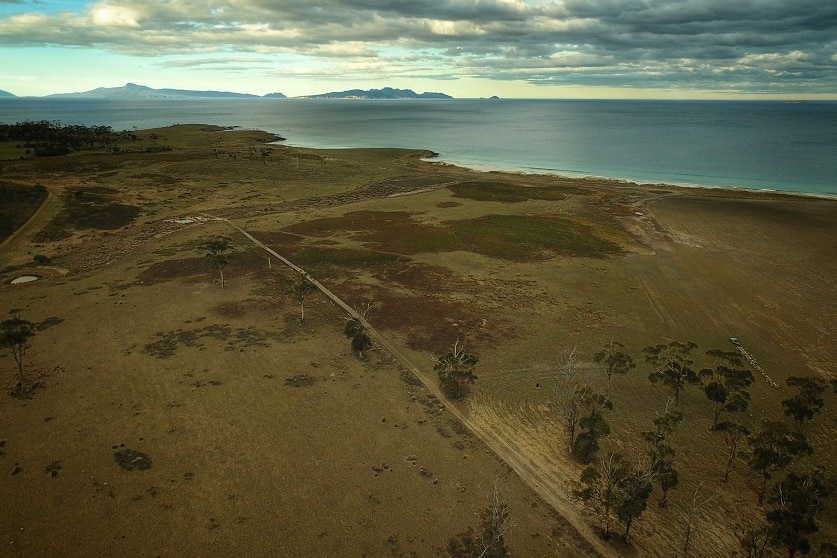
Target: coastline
(751,145)
(486,168)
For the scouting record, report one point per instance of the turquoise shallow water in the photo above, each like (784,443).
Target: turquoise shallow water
(762,145)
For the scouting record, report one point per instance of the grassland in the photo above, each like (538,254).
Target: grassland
(258,434)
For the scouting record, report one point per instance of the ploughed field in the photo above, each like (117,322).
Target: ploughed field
(171,416)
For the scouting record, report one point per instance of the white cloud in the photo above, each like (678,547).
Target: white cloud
(642,43)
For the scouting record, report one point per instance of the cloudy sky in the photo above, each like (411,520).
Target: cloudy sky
(466,48)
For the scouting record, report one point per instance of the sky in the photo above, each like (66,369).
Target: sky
(690,49)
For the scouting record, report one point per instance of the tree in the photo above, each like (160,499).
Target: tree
(753,538)
(633,492)
(15,333)
(726,389)
(615,488)
(494,525)
(689,517)
(797,500)
(808,402)
(455,370)
(592,424)
(773,448)
(613,360)
(216,249)
(662,454)
(569,396)
(598,487)
(300,288)
(355,329)
(672,366)
(734,433)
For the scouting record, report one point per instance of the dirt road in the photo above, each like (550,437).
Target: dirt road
(525,464)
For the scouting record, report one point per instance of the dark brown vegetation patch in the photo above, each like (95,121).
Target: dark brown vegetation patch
(504,192)
(130,459)
(300,380)
(389,231)
(168,342)
(168,270)
(88,209)
(17,204)
(427,322)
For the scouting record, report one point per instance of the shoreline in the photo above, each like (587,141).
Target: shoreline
(487,168)
(441,159)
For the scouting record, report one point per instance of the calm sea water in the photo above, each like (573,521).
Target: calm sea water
(764,145)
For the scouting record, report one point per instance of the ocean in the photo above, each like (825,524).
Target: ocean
(768,145)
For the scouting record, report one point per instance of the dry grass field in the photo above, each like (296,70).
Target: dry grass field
(178,418)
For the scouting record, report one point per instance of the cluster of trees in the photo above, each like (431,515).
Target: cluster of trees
(617,487)
(52,138)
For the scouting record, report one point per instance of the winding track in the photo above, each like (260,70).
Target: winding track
(513,454)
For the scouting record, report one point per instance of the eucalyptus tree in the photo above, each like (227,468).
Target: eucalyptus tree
(773,448)
(672,363)
(216,253)
(614,360)
(808,401)
(592,424)
(568,396)
(662,454)
(797,501)
(300,289)
(726,387)
(734,434)
(15,333)
(598,487)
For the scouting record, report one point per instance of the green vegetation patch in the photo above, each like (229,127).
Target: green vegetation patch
(88,208)
(504,192)
(508,237)
(529,238)
(17,205)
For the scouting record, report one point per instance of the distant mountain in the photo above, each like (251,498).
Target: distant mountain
(6,94)
(385,93)
(134,91)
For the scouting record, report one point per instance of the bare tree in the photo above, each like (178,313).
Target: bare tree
(690,512)
(734,435)
(753,537)
(598,487)
(569,395)
(455,370)
(488,541)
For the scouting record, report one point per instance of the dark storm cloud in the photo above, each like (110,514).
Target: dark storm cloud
(745,45)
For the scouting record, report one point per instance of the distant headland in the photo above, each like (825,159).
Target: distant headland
(135,91)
